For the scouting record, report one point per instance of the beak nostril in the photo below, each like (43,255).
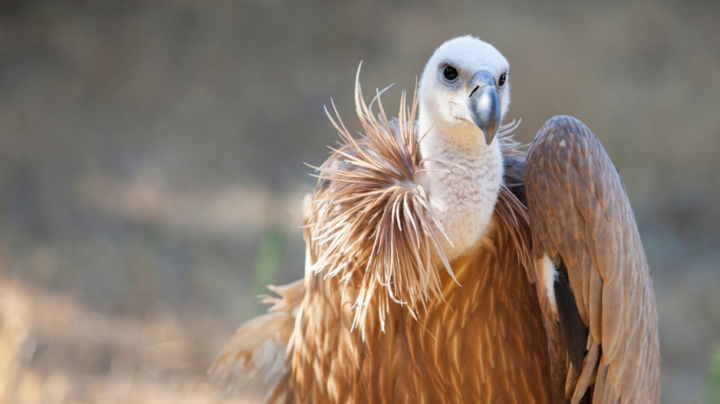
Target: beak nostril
(473,91)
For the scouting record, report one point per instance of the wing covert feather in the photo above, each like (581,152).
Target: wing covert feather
(580,214)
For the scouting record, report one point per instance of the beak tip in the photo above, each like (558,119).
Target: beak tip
(488,138)
(485,107)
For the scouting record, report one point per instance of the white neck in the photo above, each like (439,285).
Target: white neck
(462,199)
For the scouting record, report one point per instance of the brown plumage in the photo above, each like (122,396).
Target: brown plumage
(383,316)
(580,215)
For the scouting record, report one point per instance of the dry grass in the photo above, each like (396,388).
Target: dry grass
(53,351)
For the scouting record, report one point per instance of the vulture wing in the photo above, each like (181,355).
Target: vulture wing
(253,361)
(590,270)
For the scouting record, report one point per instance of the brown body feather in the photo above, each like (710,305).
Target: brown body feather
(382,317)
(484,342)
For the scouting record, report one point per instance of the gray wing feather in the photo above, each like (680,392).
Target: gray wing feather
(580,214)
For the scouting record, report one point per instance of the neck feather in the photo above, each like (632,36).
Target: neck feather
(463,180)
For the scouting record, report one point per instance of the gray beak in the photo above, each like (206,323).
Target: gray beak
(485,104)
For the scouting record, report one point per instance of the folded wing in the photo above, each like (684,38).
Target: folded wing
(580,216)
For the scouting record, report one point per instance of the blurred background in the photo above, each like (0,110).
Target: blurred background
(151,165)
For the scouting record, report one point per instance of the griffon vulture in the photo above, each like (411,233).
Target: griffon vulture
(445,265)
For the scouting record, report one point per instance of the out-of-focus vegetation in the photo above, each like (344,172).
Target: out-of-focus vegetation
(151,174)
(714,379)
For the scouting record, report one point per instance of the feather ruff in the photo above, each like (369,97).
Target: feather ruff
(370,214)
(371,219)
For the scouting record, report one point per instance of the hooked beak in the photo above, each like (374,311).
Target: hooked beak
(485,105)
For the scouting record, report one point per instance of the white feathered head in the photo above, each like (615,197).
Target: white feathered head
(464,90)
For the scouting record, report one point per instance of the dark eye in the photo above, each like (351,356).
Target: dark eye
(450,73)
(502,79)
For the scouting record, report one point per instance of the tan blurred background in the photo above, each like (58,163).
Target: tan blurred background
(151,165)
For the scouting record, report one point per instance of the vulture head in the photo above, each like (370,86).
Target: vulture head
(464,93)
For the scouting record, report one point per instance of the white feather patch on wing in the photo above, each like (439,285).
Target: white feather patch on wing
(549,275)
(270,359)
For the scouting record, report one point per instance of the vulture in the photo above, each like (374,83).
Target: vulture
(445,264)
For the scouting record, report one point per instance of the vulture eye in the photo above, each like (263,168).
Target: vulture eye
(450,73)
(502,79)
